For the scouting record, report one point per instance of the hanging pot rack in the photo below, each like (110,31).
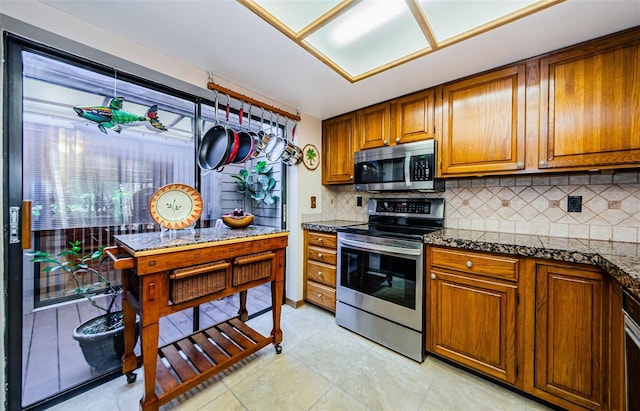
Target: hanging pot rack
(246,99)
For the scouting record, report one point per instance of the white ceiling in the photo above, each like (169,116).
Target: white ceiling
(239,47)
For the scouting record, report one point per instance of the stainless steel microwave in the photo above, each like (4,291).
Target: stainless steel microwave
(402,167)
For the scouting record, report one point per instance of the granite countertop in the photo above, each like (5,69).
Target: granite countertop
(618,259)
(329,226)
(143,243)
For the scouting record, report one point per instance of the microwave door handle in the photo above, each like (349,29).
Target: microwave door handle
(384,249)
(407,170)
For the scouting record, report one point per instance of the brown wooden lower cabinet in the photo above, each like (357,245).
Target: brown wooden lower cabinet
(320,258)
(616,364)
(570,314)
(554,330)
(473,321)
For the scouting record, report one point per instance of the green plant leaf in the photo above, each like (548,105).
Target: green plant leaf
(260,166)
(264,180)
(269,199)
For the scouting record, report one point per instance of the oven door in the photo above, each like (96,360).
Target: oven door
(382,276)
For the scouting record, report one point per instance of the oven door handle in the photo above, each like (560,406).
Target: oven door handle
(383,249)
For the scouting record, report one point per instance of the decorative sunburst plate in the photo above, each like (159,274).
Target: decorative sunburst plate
(175,206)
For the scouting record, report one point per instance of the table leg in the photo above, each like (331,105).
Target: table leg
(150,334)
(242,312)
(129,360)
(276,309)
(153,292)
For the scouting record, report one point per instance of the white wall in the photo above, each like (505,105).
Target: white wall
(303,183)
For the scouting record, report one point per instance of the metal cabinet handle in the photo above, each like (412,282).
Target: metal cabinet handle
(397,139)
(469,264)
(319,239)
(520,165)
(319,255)
(385,142)
(433,276)
(319,295)
(320,273)
(543,164)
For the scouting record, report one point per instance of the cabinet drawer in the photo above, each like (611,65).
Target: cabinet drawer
(322,273)
(321,295)
(477,263)
(324,255)
(322,239)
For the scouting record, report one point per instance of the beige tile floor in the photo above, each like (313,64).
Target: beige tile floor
(322,367)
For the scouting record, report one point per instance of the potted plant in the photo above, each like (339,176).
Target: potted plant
(101,338)
(257,183)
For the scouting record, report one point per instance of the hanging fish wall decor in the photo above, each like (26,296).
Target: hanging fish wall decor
(114,117)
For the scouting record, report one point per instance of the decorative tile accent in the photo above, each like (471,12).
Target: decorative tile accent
(523,204)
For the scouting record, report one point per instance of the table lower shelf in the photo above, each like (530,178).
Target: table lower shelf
(188,362)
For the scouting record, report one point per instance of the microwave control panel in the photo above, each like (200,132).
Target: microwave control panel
(420,168)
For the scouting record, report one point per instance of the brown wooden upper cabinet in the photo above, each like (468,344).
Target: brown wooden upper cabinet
(405,120)
(483,123)
(374,126)
(415,116)
(590,105)
(338,146)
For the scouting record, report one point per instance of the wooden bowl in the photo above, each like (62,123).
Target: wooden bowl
(237,221)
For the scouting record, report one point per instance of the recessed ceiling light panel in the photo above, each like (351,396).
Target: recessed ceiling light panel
(369,36)
(297,14)
(452,18)
(360,38)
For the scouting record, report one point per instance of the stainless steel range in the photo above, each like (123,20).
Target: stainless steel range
(380,284)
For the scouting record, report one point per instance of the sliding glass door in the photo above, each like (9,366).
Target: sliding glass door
(86,181)
(82,178)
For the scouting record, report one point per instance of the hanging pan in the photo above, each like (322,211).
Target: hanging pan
(276,146)
(246,138)
(215,146)
(264,138)
(292,155)
(233,136)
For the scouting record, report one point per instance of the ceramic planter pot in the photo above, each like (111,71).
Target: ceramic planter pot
(102,350)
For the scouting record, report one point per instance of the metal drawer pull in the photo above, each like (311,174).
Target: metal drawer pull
(319,239)
(320,273)
(433,276)
(319,295)
(319,255)
(469,264)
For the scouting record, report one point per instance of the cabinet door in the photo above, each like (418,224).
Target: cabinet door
(483,126)
(590,108)
(616,347)
(569,335)
(338,136)
(374,126)
(473,322)
(415,116)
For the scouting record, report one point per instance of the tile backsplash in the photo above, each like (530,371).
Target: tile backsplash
(521,204)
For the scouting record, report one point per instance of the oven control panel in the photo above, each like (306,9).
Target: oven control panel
(403,207)
(430,208)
